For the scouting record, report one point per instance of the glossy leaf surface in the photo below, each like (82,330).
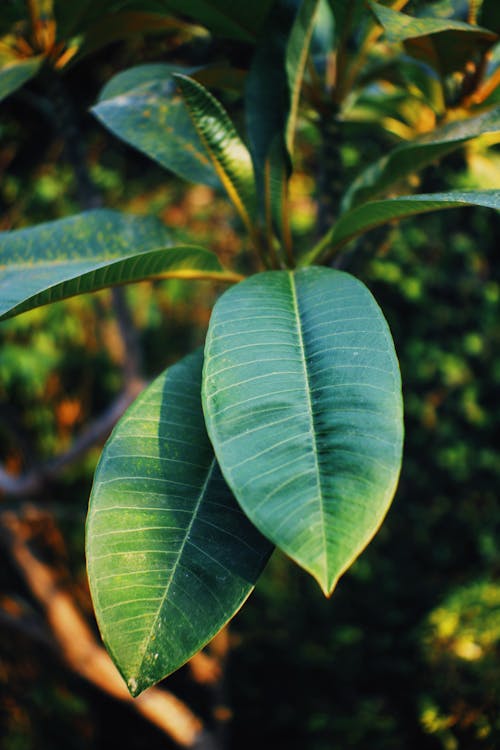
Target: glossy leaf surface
(445,44)
(302,399)
(409,157)
(373,214)
(170,555)
(92,250)
(153,118)
(400,26)
(16,74)
(229,155)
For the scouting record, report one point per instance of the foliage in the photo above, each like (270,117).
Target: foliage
(318,491)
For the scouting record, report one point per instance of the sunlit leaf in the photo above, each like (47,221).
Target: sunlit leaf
(302,399)
(90,251)
(409,157)
(170,555)
(400,26)
(228,153)
(153,118)
(370,215)
(444,43)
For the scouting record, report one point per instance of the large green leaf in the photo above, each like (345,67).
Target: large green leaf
(400,26)
(170,555)
(302,400)
(375,213)
(444,43)
(348,14)
(370,215)
(267,96)
(409,157)
(90,251)
(153,118)
(16,74)
(228,153)
(139,75)
(275,78)
(297,50)
(114,27)
(236,19)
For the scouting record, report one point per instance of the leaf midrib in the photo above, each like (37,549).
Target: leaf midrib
(310,411)
(147,639)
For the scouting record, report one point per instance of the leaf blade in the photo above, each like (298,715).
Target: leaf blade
(153,118)
(410,157)
(228,153)
(16,74)
(168,549)
(90,251)
(285,409)
(297,50)
(375,213)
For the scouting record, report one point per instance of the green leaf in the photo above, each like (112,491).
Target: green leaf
(370,215)
(347,14)
(302,400)
(400,26)
(409,157)
(139,75)
(275,78)
(16,74)
(274,82)
(276,194)
(267,99)
(228,153)
(115,26)
(153,118)
(90,251)
(236,19)
(170,555)
(297,50)
(444,43)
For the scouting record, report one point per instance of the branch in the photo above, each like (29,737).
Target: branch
(81,652)
(33,481)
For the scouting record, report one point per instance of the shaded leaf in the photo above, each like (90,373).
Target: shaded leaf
(16,74)
(228,153)
(170,555)
(236,19)
(275,79)
(347,14)
(370,215)
(409,157)
(153,118)
(276,194)
(302,400)
(92,250)
(117,26)
(297,50)
(267,95)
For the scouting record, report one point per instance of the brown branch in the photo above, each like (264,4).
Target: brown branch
(81,652)
(33,481)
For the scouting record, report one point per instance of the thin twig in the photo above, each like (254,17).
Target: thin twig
(79,647)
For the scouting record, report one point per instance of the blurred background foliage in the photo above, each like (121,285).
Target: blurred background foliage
(406,653)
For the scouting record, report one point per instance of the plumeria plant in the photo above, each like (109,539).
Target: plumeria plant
(286,430)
